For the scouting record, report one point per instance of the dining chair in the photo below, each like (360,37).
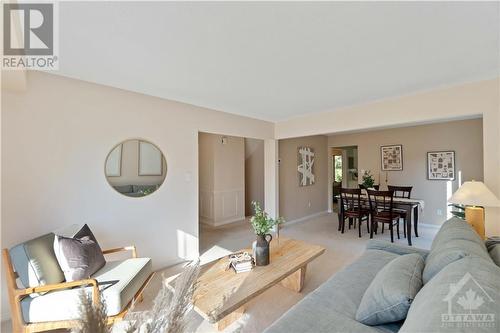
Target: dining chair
(382,211)
(352,209)
(401,192)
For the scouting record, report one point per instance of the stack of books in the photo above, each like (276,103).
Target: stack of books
(241,262)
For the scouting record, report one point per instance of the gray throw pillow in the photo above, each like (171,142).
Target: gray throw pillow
(391,292)
(79,256)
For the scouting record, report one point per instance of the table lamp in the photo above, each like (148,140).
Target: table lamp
(474,196)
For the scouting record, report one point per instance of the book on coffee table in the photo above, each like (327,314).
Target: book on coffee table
(241,262)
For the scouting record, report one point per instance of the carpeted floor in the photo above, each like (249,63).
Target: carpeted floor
(342,249)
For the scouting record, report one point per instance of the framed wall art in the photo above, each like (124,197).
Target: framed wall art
(114,162)
(392,157)
(441,165)
(150,159)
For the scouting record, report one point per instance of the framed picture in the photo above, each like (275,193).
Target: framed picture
(150,160)
(305,166)
(114,162)
(391,157)
(441,165)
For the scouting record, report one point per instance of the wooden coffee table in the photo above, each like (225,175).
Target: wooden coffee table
(221,294)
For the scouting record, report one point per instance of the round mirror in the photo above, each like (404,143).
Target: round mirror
(135,168)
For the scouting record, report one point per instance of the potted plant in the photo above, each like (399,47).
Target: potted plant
(368,180)
(262,225)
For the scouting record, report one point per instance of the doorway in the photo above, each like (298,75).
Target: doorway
(344,174)
(231,177)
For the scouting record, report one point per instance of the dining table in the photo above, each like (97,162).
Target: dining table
(413,207)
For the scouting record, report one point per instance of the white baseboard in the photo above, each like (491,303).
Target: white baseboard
(221,223)
(430,226)
(305,218)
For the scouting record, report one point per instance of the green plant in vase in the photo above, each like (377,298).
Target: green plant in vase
(368,179)
(262,224)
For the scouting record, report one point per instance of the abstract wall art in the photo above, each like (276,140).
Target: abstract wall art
(305,168)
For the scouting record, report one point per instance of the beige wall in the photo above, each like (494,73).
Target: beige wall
(130,167)
(254,174)
(464,137)
(296,201)
(222,179)
(456,102)
(55,138)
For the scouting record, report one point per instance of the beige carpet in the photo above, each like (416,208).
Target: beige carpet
(342,249)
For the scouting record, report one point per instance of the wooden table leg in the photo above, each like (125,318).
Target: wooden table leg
(229,319)
(408,227)
(415,222)
(295,281)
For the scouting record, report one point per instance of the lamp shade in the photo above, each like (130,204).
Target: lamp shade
(474,194)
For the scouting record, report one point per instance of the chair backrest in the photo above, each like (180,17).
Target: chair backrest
(381,201)
(401,191)
(350,198)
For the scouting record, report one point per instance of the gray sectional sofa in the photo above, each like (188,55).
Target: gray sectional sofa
(457,262)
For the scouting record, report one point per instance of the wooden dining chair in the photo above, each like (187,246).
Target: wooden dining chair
(382,211)
(401,192)
(352,209)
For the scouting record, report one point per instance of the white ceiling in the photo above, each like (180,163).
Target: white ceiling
(275,61)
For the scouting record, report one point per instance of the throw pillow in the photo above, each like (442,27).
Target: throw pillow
(79,256)
(35,262)
(391,292)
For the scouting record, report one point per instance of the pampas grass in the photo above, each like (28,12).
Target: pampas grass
(168,314)
(92,318)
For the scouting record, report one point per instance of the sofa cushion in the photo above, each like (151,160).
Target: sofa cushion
(118,281)
(493,247)
(437,307)
(454,229)
(35,262)
(378,244)
(332,307)
(455,240)
(390,294)
(79,256)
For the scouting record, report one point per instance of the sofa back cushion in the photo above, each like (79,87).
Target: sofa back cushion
(460,294)
(35,262)
(454,229)
(455,240)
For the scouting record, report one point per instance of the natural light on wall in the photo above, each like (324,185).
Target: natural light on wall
(187,245)
(449,193)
